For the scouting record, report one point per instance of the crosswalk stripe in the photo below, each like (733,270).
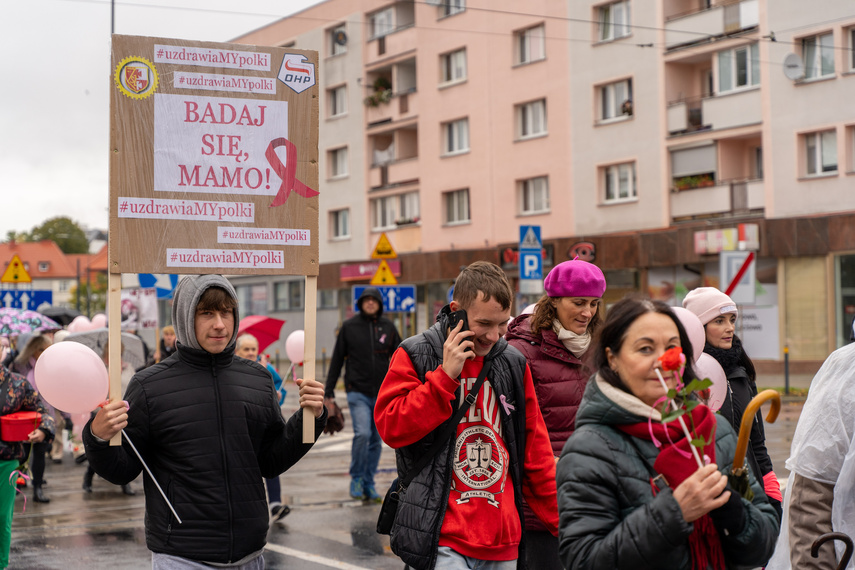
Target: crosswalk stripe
(313,557)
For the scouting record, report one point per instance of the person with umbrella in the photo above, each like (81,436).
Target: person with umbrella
(630,493)
(366,342)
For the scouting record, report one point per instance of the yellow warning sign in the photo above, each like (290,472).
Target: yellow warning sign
(384,249)
(384,275)
(15,272)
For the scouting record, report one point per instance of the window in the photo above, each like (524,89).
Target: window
(534,195)
(327,299)
(408,208)
(288,295)
(529,45)
(738,68)
(455,136)
(383,213)
(338,162)
(44,266)
(456,206)
(452,7)
(531,119)
(453,66)
(818,53)
(619,182)
(382,22)
(852,49)
(340,223)
(252,299)
(821,153)
(613,21)
(338,40)
(338,100)
(616,100)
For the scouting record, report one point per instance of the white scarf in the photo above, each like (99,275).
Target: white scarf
(577,344)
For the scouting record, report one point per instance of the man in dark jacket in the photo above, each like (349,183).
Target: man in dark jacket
(209,427)
(366,341)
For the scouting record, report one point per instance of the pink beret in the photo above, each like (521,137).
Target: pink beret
(708,303)
(575,278)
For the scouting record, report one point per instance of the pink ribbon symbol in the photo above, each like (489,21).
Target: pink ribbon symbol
(288,173)
(508,407)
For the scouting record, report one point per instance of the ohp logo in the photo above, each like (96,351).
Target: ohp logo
(296,72)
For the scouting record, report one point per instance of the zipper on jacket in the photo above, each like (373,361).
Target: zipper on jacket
(373,326)
(225,456)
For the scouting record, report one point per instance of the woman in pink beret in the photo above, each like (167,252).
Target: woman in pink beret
(555,339)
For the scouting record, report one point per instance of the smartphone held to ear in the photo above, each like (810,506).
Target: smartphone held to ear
(456,317)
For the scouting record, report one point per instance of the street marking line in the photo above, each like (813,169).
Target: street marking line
(313,557)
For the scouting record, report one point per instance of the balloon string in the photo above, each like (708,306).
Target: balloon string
(150,474)
(15,474)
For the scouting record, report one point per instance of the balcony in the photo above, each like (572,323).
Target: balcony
(401,106)
(724,199)
(733,109)
(400,41)
(718,21)
(397,173)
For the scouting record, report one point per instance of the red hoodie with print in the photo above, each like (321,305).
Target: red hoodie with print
(481,520)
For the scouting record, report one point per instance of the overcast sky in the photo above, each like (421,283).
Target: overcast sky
(54,99)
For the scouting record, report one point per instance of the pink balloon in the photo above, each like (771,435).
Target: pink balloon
(694,328)
(79,423)
(708,367)
(71,377)
(78,322)
(295,345)
(99,321)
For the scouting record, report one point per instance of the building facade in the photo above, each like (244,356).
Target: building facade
(648,136)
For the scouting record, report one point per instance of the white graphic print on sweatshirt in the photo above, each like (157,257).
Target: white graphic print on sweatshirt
(480,457)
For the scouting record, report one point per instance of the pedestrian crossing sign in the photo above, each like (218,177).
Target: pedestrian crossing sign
(530,238)
(15,272)
(384,275)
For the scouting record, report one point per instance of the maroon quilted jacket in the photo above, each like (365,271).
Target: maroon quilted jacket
(559,382)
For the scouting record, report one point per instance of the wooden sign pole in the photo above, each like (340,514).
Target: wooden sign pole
(309,326)
(114,324)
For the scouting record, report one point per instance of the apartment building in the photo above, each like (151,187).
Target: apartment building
(648,136)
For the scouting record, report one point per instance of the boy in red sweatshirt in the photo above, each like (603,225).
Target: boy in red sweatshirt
(466,504)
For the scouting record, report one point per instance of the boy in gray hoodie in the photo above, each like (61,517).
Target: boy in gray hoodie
(209,427)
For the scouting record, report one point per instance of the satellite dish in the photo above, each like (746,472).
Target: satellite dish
(794,67)
(340,38)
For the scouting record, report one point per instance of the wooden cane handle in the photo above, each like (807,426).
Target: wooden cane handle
(748,420)
(847,555)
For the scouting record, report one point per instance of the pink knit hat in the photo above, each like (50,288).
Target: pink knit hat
(708,303)
(575,278)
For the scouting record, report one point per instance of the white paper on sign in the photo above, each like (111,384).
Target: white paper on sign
(217,145)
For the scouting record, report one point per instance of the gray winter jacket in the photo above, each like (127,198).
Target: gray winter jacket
(608,515)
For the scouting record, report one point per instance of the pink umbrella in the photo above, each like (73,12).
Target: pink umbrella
(265,329)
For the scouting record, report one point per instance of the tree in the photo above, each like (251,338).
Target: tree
(65,232)
(96,292)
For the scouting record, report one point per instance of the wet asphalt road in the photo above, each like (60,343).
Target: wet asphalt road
(326,528)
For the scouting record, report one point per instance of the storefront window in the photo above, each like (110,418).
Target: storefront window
(845,293)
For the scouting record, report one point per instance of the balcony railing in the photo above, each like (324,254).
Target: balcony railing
(711,22)
(401,106)
(397,42)
(727,198)
(733,109)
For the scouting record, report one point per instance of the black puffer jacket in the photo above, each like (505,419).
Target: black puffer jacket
(364,347)
(608,516)
(209,428)
(415,534)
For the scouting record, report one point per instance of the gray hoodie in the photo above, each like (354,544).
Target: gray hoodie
(186,297)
